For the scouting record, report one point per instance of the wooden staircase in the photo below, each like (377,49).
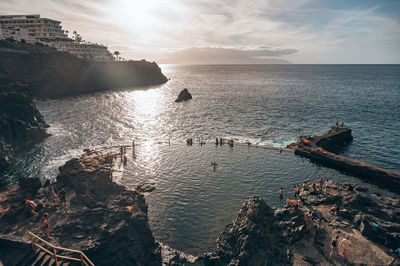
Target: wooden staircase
(46,254)
(41,258)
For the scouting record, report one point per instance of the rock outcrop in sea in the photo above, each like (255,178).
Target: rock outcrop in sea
(21,124)
(184,95)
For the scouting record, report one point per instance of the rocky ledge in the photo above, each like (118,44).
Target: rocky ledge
(261,235)
(110,224)
(102,219)
(322,149)
(21,124)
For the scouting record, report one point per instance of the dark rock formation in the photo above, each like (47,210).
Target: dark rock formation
(253,239)
(319,148)
(29,185)
(50,73)
(104,220)
(184,95)
(21,124)
(13,249)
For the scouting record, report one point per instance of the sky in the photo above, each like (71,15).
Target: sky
(232,31)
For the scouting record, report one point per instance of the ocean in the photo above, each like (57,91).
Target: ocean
(264,104)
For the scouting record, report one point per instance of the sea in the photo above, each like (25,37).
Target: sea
(263,104)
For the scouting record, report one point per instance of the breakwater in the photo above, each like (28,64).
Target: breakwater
(321,149)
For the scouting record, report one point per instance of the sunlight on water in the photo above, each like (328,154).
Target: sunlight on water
(268,105)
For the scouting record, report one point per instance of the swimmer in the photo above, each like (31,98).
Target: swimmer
(214,165)
(281,193)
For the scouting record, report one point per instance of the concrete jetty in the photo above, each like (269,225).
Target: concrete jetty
(321,149)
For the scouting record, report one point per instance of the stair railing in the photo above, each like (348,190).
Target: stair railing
(35,245)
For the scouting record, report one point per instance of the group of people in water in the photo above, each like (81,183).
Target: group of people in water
(320,185)
(37,211)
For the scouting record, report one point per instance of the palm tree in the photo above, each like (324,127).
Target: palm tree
(117,53)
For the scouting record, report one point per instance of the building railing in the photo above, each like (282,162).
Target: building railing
(39,245)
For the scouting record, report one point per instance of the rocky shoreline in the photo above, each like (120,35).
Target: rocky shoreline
(35,71)
(110,224)
(21,124)
(102,219)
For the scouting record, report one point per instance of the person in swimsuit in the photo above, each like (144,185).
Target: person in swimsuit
(345,245)
(320,225)
(334,247)
(44,224)
(32,206)
(281,193)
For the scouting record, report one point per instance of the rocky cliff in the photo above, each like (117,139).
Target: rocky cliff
(21,124)
(50,73)
(102,219)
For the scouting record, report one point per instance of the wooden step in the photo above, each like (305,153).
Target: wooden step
(46,259)
(40,255)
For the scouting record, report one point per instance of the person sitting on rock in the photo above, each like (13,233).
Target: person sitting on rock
(290,202)
(298,203)
(334,209)
(51,194)
(334,247)
(32,206)
(44,224)
(345,245)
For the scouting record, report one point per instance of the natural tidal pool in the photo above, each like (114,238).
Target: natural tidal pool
(192,203)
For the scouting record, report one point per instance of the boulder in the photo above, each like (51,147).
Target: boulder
(184,96)
(30,185)
(253,239)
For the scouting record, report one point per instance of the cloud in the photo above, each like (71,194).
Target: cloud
(218,55)
(342,31)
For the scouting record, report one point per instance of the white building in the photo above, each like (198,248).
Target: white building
(50,32)
(16,33)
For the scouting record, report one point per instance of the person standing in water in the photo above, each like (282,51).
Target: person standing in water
(281,194)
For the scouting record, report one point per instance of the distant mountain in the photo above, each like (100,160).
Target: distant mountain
(225,56)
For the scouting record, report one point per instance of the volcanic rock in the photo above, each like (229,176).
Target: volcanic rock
(21,124)
(253,239)
(104,220)
(184,95)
